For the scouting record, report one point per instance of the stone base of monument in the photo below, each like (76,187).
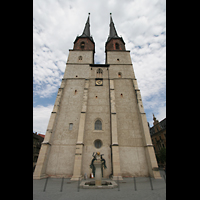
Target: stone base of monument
(98,175)
(105,184)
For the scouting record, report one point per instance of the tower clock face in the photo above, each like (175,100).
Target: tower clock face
(99,82)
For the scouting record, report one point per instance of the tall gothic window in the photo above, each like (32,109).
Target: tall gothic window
(99,73)
(98,125)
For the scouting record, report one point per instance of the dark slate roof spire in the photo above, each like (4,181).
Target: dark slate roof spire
(113,32)
(86,31)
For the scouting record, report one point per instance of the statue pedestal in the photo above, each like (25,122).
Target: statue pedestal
(98,175)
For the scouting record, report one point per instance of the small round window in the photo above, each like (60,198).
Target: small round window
(98,143)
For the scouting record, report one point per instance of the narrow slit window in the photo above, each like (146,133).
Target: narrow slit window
(117,45)
(99,73)
(119,75)
(70,126)
(75,91)
(82,45)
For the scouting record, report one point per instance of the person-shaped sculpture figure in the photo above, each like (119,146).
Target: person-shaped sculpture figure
(92,163)
(98,156)
(103,164)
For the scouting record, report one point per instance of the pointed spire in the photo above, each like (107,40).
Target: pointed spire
(155,120)
(85,38)
(113,32)
(86,31)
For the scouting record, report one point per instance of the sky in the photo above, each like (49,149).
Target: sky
(56,23)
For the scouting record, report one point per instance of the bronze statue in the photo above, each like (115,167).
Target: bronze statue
(103,162)
(92,165)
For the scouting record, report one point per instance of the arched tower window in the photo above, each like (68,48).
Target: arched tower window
(98,125)
(116,45)
(82,45)
(99,73)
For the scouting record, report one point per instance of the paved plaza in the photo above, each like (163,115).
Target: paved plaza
(126,190)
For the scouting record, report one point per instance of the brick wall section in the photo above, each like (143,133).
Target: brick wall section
(88,44)
(111,45)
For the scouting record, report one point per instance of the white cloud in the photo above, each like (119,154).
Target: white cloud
(41,115)
(47,71)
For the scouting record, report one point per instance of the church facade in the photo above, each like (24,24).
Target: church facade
(98,109)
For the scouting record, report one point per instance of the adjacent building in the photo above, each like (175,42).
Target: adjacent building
(158,136)
(37,141)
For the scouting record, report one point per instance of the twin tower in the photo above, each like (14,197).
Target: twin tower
(98,108)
